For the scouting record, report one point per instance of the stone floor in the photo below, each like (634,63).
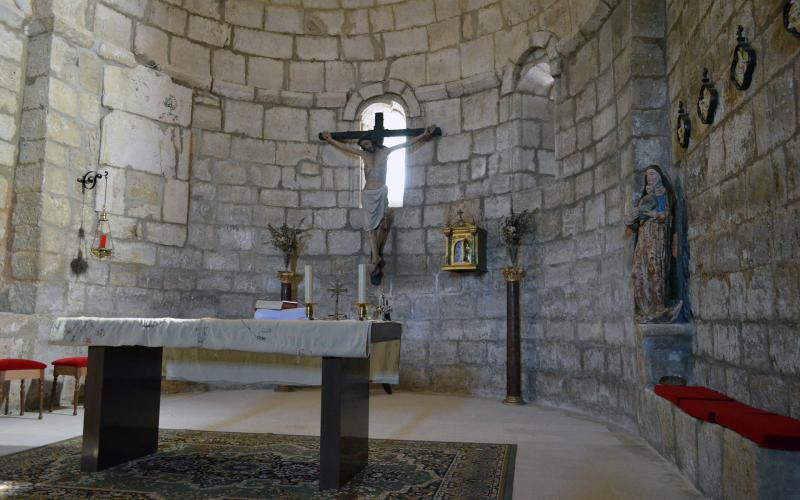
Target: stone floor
(561,455)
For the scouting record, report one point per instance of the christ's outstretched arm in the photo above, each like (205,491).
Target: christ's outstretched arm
(340,145)
(421,137)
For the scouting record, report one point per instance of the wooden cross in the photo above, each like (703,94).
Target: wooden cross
(379,133)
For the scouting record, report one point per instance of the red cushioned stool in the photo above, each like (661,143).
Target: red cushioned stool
(73,367)
(22,369)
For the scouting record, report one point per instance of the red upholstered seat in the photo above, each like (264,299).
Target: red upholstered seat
(20,364)
(707,410)
(677,393)
(77,361)
(767,430)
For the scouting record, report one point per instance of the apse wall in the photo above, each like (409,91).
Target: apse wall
(455,324)
(583,345)
(13,45)
(208,140)
(741,180)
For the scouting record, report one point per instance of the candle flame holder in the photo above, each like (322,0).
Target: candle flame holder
(362,311)
(102,246)
(310,311)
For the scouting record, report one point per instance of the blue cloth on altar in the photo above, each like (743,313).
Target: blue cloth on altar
(285,314)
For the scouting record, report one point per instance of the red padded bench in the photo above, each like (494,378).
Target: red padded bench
(767,430)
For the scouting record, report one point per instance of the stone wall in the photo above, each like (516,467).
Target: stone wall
(13,46)
(583,344)
(741,181)
(206,113)
(207,124)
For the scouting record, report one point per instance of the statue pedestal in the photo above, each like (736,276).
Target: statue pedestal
(665,349)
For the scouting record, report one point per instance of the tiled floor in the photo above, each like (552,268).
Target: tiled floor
(561,455)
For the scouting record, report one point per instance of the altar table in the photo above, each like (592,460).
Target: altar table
(123,386)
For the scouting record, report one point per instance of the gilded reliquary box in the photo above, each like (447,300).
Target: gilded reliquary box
(465,248)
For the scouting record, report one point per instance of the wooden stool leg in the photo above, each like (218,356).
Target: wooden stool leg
(22,397)
(53,391)
(41,393)
(75,395)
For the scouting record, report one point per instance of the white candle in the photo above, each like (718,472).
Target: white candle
(362,283)
(309,276)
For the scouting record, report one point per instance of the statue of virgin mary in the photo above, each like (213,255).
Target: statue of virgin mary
(653,222)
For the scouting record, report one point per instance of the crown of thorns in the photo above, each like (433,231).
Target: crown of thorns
(367,137)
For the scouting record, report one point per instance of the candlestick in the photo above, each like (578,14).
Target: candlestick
(362,311)
(310,310)
(286,278)
(362,283)
(309,277)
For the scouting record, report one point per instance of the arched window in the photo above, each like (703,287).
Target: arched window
(394,117)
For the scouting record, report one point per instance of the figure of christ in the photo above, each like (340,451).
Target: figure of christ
(374,195)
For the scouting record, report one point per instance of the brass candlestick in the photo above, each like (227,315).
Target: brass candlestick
(310,310)
(286,278)
(362,311)
(513,277)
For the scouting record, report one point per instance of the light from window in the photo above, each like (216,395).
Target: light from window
(394,117)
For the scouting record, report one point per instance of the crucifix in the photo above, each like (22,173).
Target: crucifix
(336,290)
(374,201)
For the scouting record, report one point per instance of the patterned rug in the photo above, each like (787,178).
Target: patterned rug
(200,464)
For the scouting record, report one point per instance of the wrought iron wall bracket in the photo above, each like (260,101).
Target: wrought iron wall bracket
(90,178)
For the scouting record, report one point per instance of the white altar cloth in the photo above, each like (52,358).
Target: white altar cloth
(240,351)
(196,365)
(344,339)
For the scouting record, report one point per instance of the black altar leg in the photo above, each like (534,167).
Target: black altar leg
(122,398)
(344,430)
(387,388)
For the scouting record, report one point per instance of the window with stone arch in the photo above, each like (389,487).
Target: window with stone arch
(394,117)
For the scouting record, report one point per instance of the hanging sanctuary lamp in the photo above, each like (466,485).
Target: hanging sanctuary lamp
(102,245)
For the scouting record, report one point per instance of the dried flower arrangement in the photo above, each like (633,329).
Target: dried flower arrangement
(287,239)
(513,230)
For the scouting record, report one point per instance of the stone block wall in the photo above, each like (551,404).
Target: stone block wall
(582,346)
(205,114)
(740,177)
(13,47)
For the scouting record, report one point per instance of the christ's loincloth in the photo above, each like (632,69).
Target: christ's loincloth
(373,205)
